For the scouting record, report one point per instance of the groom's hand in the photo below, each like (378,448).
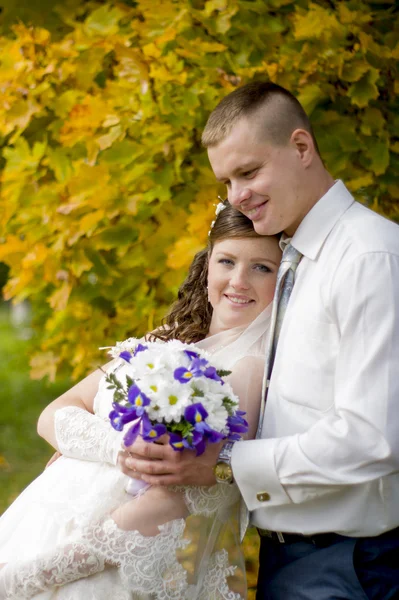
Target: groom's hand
(159,464)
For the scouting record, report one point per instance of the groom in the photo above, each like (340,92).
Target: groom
(322,480)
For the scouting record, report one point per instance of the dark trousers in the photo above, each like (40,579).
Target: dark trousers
(342,569)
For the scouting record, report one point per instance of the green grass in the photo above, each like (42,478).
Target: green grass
(23,453)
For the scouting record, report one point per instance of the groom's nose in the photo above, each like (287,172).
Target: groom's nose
(238,194)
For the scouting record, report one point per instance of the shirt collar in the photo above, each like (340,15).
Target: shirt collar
(320,220)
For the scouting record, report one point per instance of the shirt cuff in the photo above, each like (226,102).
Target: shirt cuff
(254,472)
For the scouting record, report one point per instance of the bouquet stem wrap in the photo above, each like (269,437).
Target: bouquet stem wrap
(136,487)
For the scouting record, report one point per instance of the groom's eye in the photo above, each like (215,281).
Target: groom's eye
(250,173)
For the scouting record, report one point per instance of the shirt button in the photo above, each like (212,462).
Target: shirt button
(263,496)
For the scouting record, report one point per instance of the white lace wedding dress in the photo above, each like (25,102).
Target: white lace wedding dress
(59,528)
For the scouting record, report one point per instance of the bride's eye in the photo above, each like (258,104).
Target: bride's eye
(225,261)
(263,268)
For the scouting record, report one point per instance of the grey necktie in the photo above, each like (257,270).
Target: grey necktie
(285,283)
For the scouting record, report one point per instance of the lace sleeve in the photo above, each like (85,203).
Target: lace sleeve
(80,434)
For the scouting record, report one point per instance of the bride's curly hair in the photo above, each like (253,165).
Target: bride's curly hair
(189,317)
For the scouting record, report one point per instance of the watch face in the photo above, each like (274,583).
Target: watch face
(223,472)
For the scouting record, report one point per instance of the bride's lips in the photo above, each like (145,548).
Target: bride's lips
(240,301)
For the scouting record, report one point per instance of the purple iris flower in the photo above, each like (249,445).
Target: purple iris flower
(202,427)
(183,375)
(176,441)
(200,448)
(191,354)
(187,444)
(120,408)
(132,433)
(236,424)
(196,438)
(198,445)
(211,373)
(197,366)
(120,416)
(215,436)
(139,348)
(196,369)
(195,413)
(180,443)
(126,356)
(151,432)
(137,399)
(198,442)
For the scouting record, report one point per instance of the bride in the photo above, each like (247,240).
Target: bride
(74,533)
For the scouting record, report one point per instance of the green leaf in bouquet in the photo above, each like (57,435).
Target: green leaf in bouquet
(119,396)
(229,405)
(114,383)
(184,428)
(129,381)
(198,393)
(223,372)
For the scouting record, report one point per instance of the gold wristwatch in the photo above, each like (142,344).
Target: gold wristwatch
(222,469)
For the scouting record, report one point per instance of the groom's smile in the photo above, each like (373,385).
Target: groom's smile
(253,212)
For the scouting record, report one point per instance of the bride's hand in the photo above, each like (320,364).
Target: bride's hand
(159,464)
(135,452)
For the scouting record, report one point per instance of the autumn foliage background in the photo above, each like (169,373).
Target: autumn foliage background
(106,193)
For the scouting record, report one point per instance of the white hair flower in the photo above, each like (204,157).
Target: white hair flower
(219,207)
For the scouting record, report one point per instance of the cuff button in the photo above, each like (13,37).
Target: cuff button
(263,496)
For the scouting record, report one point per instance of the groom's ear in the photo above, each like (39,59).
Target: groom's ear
(302,140)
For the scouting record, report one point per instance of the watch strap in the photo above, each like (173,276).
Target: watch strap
(225,453)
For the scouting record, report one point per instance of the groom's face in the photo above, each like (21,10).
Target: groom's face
(264,181)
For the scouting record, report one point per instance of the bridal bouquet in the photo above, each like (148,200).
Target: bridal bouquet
(173,388)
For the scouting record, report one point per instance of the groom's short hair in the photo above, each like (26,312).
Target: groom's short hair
(275,110)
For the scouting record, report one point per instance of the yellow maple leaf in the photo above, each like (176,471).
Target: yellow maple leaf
(89,222)
(13,244)
(59,299)
(43,364)
(151,50)
(183,252)
(317,22)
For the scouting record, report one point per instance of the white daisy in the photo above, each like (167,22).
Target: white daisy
(125,346)
(169,400)
(217,418)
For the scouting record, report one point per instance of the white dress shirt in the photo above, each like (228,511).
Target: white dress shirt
(328,459)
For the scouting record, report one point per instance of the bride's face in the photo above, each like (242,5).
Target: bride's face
(241,280)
